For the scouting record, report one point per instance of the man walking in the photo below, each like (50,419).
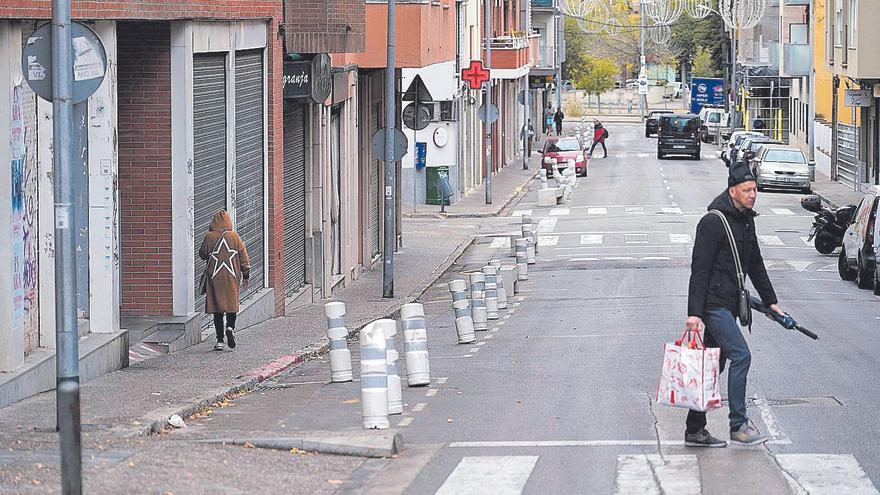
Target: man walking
(527,134)
(559,118)
(713,300)
(600,134)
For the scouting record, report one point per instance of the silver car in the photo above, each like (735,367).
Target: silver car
(781,166)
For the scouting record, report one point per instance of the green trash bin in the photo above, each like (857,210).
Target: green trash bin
(432,183)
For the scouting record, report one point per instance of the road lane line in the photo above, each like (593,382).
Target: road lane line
(506,475)
(653,474)
(781,211)
(547,225)
(635,238)
(597,211)
(474,350)
(480,343)
(419,407)
(680,238)
(590,239)
(548,240)
(405,422)
(500,242)
(770,422)
(433,391)
(487,337)
(520,213)
(770,240)
(558,212)
(634,210)
(826,474)
(442,380)
(573,443)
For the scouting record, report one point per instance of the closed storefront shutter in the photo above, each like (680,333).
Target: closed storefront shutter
(374,187)
(249,195)
(294,196)
(209,138)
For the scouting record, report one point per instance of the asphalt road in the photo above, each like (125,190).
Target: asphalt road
(558,396)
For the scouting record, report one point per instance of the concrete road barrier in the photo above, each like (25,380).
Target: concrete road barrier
(491,274)
(340,356)
(374,376)
(502,293)
(522,259)
(415,345)
(478,301)
(464,323)
(395,393)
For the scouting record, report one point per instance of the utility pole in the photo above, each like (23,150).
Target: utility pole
(390,234)
(811,112)
(525,133)
(643,99)
(559,53)
(67,352)
(487,103)
(733,113)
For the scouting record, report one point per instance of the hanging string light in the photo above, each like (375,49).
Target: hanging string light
(698,9)
(742,14)
(613,26)
(664,11)
(592,15)
(660,33)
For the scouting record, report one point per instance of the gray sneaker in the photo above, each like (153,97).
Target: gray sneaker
(219,346)
(703,439)
(748,435)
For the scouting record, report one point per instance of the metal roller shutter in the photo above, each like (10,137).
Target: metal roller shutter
(294,196)
(209,138)
(249,195)
(374,186)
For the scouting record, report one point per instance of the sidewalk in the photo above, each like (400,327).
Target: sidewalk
(507,185)
(834,193)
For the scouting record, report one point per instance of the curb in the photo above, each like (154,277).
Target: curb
(157,419)
(363,444)
(518,191)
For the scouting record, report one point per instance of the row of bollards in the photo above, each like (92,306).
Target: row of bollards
(381,385)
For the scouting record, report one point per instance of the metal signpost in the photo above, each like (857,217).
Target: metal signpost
(390,234)
(65,63)
(488,102)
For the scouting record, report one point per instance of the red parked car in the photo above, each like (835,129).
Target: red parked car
(565,149)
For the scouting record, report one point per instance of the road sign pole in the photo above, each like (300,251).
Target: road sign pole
(487,146)
(390,234)
(526,126)
(67,352)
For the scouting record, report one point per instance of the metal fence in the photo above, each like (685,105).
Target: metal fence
(848,155)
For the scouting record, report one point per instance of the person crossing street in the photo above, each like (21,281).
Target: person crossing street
(600,134)
(714,295)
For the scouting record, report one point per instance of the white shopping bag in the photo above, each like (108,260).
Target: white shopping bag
(689,377)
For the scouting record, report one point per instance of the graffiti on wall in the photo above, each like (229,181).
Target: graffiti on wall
(25,231)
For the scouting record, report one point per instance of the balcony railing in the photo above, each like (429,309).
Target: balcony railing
(509,42)
(546,57)
(797,59)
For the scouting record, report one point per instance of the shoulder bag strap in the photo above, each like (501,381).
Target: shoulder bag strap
(740,278)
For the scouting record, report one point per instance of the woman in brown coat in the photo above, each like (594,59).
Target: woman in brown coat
(227,266)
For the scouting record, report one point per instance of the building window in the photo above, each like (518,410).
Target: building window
(853,22)
(447,110)
(838,23)
(797,34)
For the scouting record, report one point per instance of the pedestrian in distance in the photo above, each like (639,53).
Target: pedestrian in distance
(714,296)
(559,118)
(548,119)
(528,133)
(226,268)
(600,134)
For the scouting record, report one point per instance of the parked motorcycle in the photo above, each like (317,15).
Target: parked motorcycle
(829,225)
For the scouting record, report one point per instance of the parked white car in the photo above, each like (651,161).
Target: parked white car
(781,166)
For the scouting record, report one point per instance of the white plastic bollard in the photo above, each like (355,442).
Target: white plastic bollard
(464,323)
(502,294)
(529,235)
(415,344)
(478,301)
(395,393)
(340,356)
(491,274)
(522,259)
(374,377)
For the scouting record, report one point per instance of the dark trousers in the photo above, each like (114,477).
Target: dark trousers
(604,149)
(559,128)
(722,331)
(219,327)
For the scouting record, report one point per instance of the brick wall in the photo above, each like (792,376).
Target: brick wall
(146,9)
(319,26)
(144,116)
(275,262)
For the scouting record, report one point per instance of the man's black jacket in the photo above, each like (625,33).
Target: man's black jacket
(713,272)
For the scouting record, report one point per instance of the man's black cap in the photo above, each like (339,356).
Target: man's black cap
(739,173)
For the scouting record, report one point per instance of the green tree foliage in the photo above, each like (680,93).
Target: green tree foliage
(689,36)
(595,75)
(704,65)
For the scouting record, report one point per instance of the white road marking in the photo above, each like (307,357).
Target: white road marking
(656,258)
(498,475)
(547,225)
(500,242)
(468,355)
(442,380)
(643,155)
(515,305)
(826,474)
(641,474)
(597,211)
(770,422)
(570,443)
(480,343)
(618,258)
(520,213)
(548,240)
(487,337)
(584,259)
(671,211)
(558,212)
(592,239)
(474,350)
(419,407)
(807,240)
(635,238)
(786,266)
(405,422)
(781,211)
(505,317)
(770,240)
(634,210)
(434,391)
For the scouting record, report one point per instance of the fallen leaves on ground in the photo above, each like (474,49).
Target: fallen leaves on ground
(248,445)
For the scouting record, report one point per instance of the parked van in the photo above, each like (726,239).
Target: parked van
(713,119)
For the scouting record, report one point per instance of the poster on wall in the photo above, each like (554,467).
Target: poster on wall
(25,238)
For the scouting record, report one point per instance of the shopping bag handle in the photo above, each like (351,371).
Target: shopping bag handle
(693,338)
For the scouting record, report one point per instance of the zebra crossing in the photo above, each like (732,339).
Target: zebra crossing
(638,210)
(648,474)
(658,239)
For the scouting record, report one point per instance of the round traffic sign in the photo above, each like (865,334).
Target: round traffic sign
(377,144)
(493,113)
(416,116)
(522,95)
(89,61)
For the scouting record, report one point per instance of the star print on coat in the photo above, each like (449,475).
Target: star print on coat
(223,257)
